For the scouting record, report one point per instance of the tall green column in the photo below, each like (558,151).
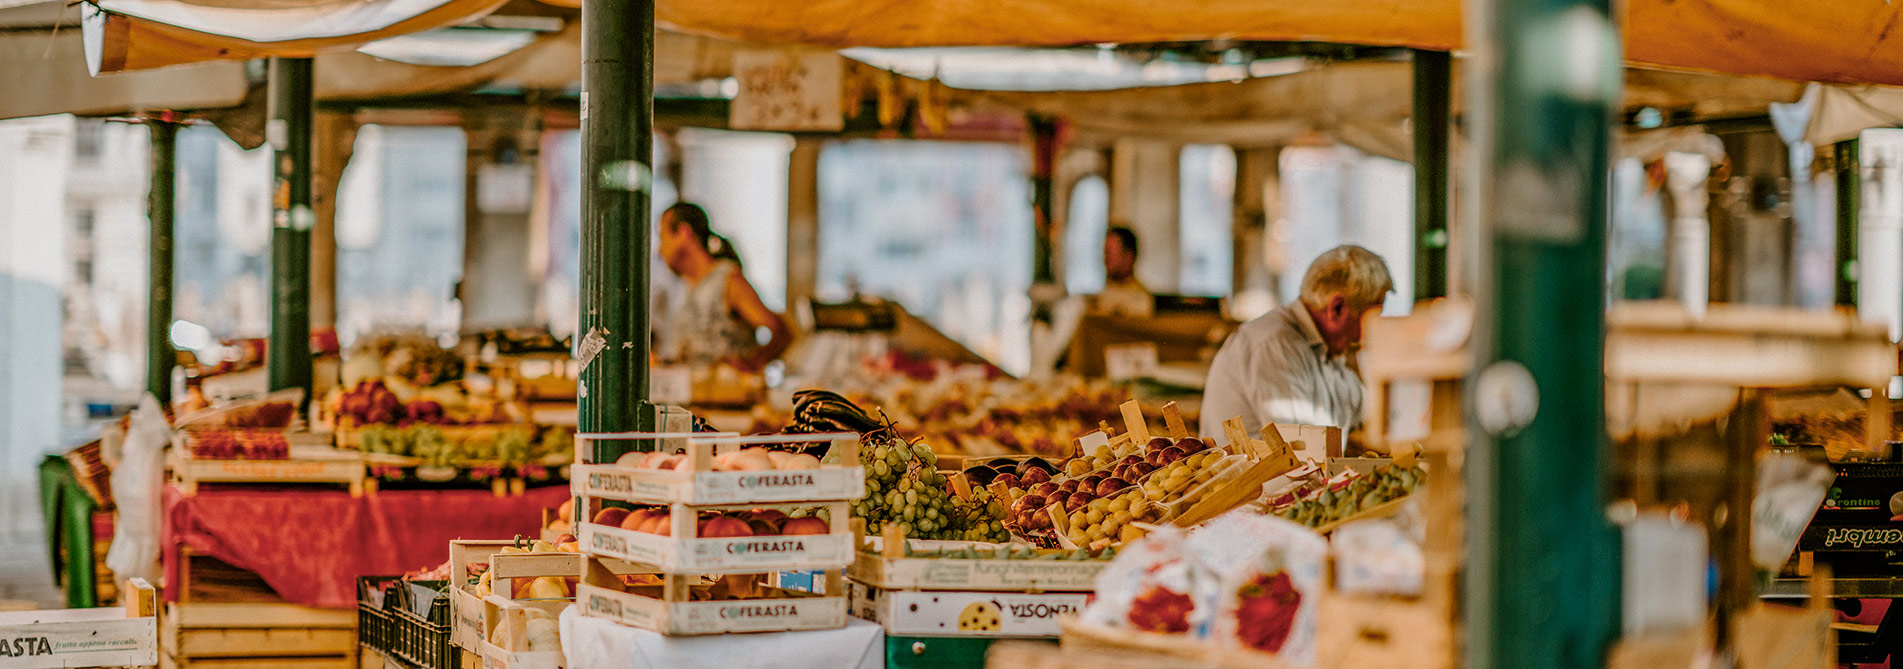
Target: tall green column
(1543,561)
(1043,170)
(617,126)
(1432,120)
(159,355)
(289,133)
(1849,172)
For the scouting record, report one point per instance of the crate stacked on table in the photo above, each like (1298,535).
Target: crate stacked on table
(714,584)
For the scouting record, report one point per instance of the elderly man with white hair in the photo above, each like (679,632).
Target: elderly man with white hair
(1290,366)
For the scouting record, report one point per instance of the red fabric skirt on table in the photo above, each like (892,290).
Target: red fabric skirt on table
(311,545)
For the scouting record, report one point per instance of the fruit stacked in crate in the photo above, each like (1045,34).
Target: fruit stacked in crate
(508,597)
(713,516)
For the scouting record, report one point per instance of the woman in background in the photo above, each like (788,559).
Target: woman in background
(720,312)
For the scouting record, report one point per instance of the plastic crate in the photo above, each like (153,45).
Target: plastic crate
(406,620)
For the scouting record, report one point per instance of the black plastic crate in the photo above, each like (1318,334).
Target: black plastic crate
(406,620)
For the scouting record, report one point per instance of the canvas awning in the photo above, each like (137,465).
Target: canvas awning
(1844,42)
(123,35)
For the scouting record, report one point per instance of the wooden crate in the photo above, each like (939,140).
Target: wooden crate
(511,615)
(84,637)
(667,608)
(257,634)
(696,483)
(684,551)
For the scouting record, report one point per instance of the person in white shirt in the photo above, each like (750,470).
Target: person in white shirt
(1290,366)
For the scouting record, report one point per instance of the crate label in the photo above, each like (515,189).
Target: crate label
(666,486)
(964,613)
(112,642)
(626,544)
(759,615)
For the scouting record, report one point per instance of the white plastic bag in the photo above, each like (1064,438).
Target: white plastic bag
(1789,490)
(136,484)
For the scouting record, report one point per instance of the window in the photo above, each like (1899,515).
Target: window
(400,231)
(222,234)
(943,228)
(1337,195)
(1206,214)
(89,138)
(560,304)
(83,221)
(1086,220)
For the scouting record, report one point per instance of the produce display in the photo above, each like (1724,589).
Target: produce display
(903,484)
(239,445)
(1009,552)
(744,460)
(711,525)
(380,401)
(1335,499)
(264,415)
(469,448)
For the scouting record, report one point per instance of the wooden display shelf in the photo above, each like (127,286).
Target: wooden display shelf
(305,466)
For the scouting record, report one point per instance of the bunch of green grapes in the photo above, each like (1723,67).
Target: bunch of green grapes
(903,486)
(980,518)
(885,461)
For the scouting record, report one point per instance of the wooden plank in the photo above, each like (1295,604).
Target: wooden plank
(244,642)
(257,614)
(1138,430)
(1173,419)
(324,662)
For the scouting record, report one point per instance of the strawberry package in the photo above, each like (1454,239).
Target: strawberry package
(1148,587)
(1260,579)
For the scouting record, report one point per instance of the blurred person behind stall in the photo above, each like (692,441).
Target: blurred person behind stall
(719,312)
(1122,293)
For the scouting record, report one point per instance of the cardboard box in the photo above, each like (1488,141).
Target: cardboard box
(944,613)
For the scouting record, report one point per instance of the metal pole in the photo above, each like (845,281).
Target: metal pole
(617,125)
(1043,170)
(1433,110)
(289,132)
(1849,206)
(159,355)
(1543,564)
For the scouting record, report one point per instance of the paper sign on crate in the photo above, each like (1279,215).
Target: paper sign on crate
(988,614)
(694,482)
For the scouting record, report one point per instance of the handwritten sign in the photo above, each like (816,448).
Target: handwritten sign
(1129,361)
(782,90)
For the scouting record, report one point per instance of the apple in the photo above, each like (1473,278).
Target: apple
(1191,445)
(1078,500)
(1069,485)
(1060,496)
(1045,488)
(807,525)
(611,516)
(1157,444)
(1130,459)
(1111,485)
(1169,455)
(1138,470)
(800,461)
(630,460)
(1037,475)
(1090,482)
(566,511)
(634,521)
(1010,480)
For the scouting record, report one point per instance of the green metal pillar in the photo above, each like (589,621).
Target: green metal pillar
(617,126)
(1849,206)
(1542,576)
(288,356)
(1043,171)
(159,355)
(1433,110)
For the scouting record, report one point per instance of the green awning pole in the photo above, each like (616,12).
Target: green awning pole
(1542,575)
(1849,207)
(1433,108)
(1043,170)
(617,126)
(289,133)
(159,355)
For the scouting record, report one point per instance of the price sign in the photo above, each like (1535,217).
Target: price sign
(1129,361)
(670,385)
(781,90)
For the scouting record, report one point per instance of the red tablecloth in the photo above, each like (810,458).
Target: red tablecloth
(311,545)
